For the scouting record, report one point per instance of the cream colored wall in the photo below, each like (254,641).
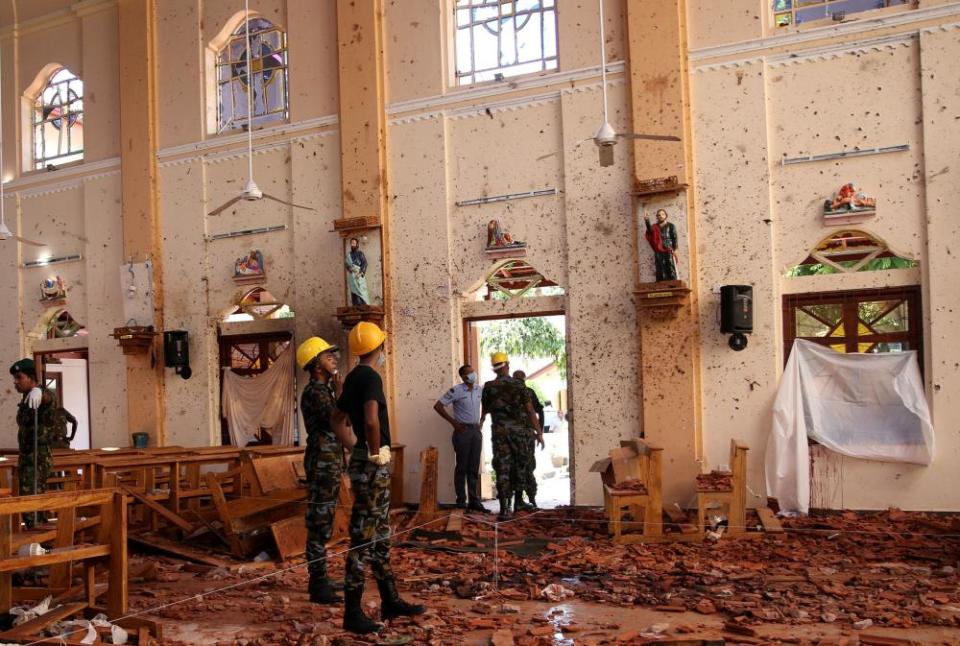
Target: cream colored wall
(756,217)
(74,210)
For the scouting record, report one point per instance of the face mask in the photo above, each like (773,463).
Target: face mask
(382,359)
(472,378)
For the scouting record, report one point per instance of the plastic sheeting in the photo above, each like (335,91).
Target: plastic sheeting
(261,401)
(869,406)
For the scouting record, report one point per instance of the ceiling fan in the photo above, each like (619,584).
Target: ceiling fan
(5,232)
(606,137)
(251,192)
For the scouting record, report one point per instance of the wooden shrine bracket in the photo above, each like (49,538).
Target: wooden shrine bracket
(350,316)
(662,300)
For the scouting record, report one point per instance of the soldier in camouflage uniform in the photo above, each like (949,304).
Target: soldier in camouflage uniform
(507,401)
(364,403)
(322,460)
(37,425)
(528,463)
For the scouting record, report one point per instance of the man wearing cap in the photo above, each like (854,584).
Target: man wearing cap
(36,424)
(467,439)
(508,403)
(364,403)
(322,460)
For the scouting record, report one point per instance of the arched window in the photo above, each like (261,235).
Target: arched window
(268,58)
(58,121)
(847,252)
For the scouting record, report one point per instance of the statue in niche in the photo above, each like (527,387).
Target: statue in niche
(499,238)
(662,237)
(250,266)
(356,263)
(52,289)
(849,199)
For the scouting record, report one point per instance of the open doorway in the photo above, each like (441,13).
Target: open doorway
(536,345)
(65,376)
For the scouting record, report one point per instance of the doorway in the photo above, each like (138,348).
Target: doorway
(65,375)
(537,346)
(251,355)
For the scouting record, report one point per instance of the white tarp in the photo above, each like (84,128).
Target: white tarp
(260,401)
(869,406)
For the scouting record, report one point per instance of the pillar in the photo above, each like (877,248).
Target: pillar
(141,225)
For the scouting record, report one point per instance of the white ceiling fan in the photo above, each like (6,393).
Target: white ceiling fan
(251,192)
(5,232)
(606,137)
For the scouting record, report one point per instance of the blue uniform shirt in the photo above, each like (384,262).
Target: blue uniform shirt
(466,403)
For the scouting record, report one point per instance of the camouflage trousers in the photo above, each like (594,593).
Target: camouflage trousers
(528,463)
(508,459)
(323,490)
(26,482)
(369,522)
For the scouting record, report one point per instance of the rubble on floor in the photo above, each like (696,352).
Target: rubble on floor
(715,481)
(858,572)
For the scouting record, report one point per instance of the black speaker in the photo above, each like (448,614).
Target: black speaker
(176,352)
(736,309)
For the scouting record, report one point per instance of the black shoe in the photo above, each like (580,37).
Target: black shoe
(519,505)
(322,592)
(476,506)
(504,509)
(532,505)
(354,618)
(461,505)
(392,606)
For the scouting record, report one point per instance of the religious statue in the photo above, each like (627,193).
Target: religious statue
(53,289)
(849,199)
(356,264)
(250,266)
(499,238)
(662,238)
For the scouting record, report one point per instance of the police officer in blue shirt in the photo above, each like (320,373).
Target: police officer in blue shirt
(467,439)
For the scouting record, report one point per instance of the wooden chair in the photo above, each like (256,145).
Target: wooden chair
(635,461)
(734,497)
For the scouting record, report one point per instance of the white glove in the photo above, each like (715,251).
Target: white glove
(382,458)
(34,397)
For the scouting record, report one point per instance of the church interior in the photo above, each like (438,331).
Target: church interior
(654,284)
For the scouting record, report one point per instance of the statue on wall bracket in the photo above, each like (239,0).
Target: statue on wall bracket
(662,237)
(53,290)
(250,268)
(848,205)
(501,244)
(356,264)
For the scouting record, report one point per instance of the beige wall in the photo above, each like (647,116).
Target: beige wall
(756,102)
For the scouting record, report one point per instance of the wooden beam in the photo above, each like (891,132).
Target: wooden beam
(117,592)
(771,524)
(176,519)
(32,627)
(429,509)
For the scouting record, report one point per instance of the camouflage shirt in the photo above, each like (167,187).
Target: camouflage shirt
(47,424)
(317,404)
(506,399)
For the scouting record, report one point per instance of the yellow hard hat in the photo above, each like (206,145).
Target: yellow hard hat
(366,337)
(311,349)
(498,357)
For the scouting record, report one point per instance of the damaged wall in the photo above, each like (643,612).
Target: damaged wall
(756,102)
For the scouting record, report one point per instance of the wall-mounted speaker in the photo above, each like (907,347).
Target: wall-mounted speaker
(736,309)
(176,352)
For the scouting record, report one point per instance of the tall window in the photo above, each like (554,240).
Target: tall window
(58,121)
(500,38)
(795,12)
(878,320)
(268,81)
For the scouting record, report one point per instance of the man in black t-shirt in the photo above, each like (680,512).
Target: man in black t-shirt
(365,404)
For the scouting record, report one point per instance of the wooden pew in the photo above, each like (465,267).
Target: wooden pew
(632,480)
(734,497)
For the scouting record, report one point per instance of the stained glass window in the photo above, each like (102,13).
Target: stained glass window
(500,38)
(847,252)
(795,12)
(268,58)
(58,121)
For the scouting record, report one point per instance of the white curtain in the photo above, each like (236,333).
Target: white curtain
(869,406)
(260,401)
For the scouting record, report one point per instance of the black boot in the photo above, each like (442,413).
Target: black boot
(532,505)
(354,618)
(322,592)
(391,605)
(504,508)
(518,504)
